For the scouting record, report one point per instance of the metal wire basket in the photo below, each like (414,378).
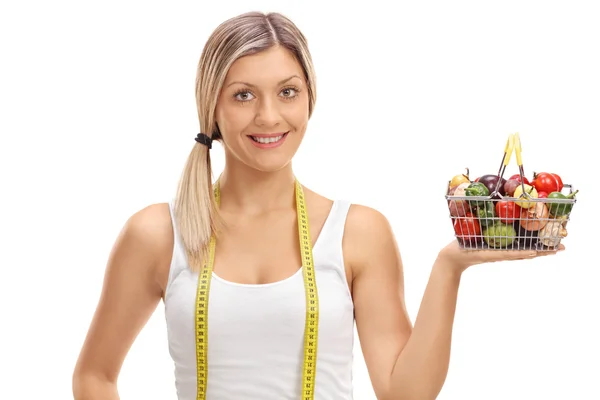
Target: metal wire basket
(521,221)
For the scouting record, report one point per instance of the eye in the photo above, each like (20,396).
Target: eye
(243,95)
(289,92)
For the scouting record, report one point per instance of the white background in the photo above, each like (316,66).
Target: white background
(98,115)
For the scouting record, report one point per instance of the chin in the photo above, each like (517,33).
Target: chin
(273,164)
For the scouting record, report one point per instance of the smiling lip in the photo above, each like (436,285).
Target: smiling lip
(268,140)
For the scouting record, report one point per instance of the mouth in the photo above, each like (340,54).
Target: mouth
(268,140)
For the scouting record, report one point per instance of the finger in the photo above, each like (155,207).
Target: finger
(544,253)
(560,248)
(548,253)
(505,255)
(522,254)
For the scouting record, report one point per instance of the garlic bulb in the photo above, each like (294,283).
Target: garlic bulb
(552,233)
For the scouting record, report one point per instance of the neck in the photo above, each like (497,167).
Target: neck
(256,191)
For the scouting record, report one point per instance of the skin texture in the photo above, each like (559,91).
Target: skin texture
(258,206)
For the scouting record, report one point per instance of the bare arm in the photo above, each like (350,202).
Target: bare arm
(421,369)
(130,294)
(403,362)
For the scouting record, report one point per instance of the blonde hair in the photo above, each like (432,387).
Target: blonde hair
(196,212)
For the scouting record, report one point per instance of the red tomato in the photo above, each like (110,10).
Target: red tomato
(467,227)
(517,177)
(547,182)
(542,195)
(508,211)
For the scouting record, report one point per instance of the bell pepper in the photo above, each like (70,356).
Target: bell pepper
(560,209)
(467,228)
(477,189)
(486,214)
(507,211)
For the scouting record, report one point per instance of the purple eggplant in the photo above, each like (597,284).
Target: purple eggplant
(491,181)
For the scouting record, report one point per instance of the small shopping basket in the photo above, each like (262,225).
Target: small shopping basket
(487,217)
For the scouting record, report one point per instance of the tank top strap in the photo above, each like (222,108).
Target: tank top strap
(179,257)
(328,248)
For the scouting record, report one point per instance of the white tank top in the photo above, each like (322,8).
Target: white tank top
(256,332)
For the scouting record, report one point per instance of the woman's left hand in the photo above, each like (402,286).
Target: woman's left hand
(461,259)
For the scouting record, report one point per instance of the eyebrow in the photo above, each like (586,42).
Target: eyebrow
(278,83)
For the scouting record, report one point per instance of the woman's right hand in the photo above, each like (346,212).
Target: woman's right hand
(131,292)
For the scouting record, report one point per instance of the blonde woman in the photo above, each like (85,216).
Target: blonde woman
(262,278)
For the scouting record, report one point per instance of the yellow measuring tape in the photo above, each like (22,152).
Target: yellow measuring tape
(311,329)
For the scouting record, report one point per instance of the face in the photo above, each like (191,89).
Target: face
(262,111)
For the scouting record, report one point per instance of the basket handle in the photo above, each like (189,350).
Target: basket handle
(518,153)
(520,163)
(508,150)
(510,144)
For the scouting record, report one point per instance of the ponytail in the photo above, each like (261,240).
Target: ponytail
(196,213)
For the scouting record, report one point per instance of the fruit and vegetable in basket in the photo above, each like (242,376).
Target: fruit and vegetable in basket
(551,234)
(459,191)
(518,217)
(517,177)
(560,209)
(547,182)
(517,211)
(534,218)
(486,214)
(491,182)
(477,189)
(467,228)
(508,211)
(524,197)
(459,208)
(499,235)
(460,178)
(510,186)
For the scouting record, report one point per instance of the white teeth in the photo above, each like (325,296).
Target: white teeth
(267,140)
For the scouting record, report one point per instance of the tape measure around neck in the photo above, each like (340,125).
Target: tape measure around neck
(311,329)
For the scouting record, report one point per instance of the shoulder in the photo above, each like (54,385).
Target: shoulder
(149,233)
(368,240)
(364,224)
(363,220)
(368,232)
(151,225)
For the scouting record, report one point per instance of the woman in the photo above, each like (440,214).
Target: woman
(273,329)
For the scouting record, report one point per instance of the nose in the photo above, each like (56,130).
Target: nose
(267,113)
